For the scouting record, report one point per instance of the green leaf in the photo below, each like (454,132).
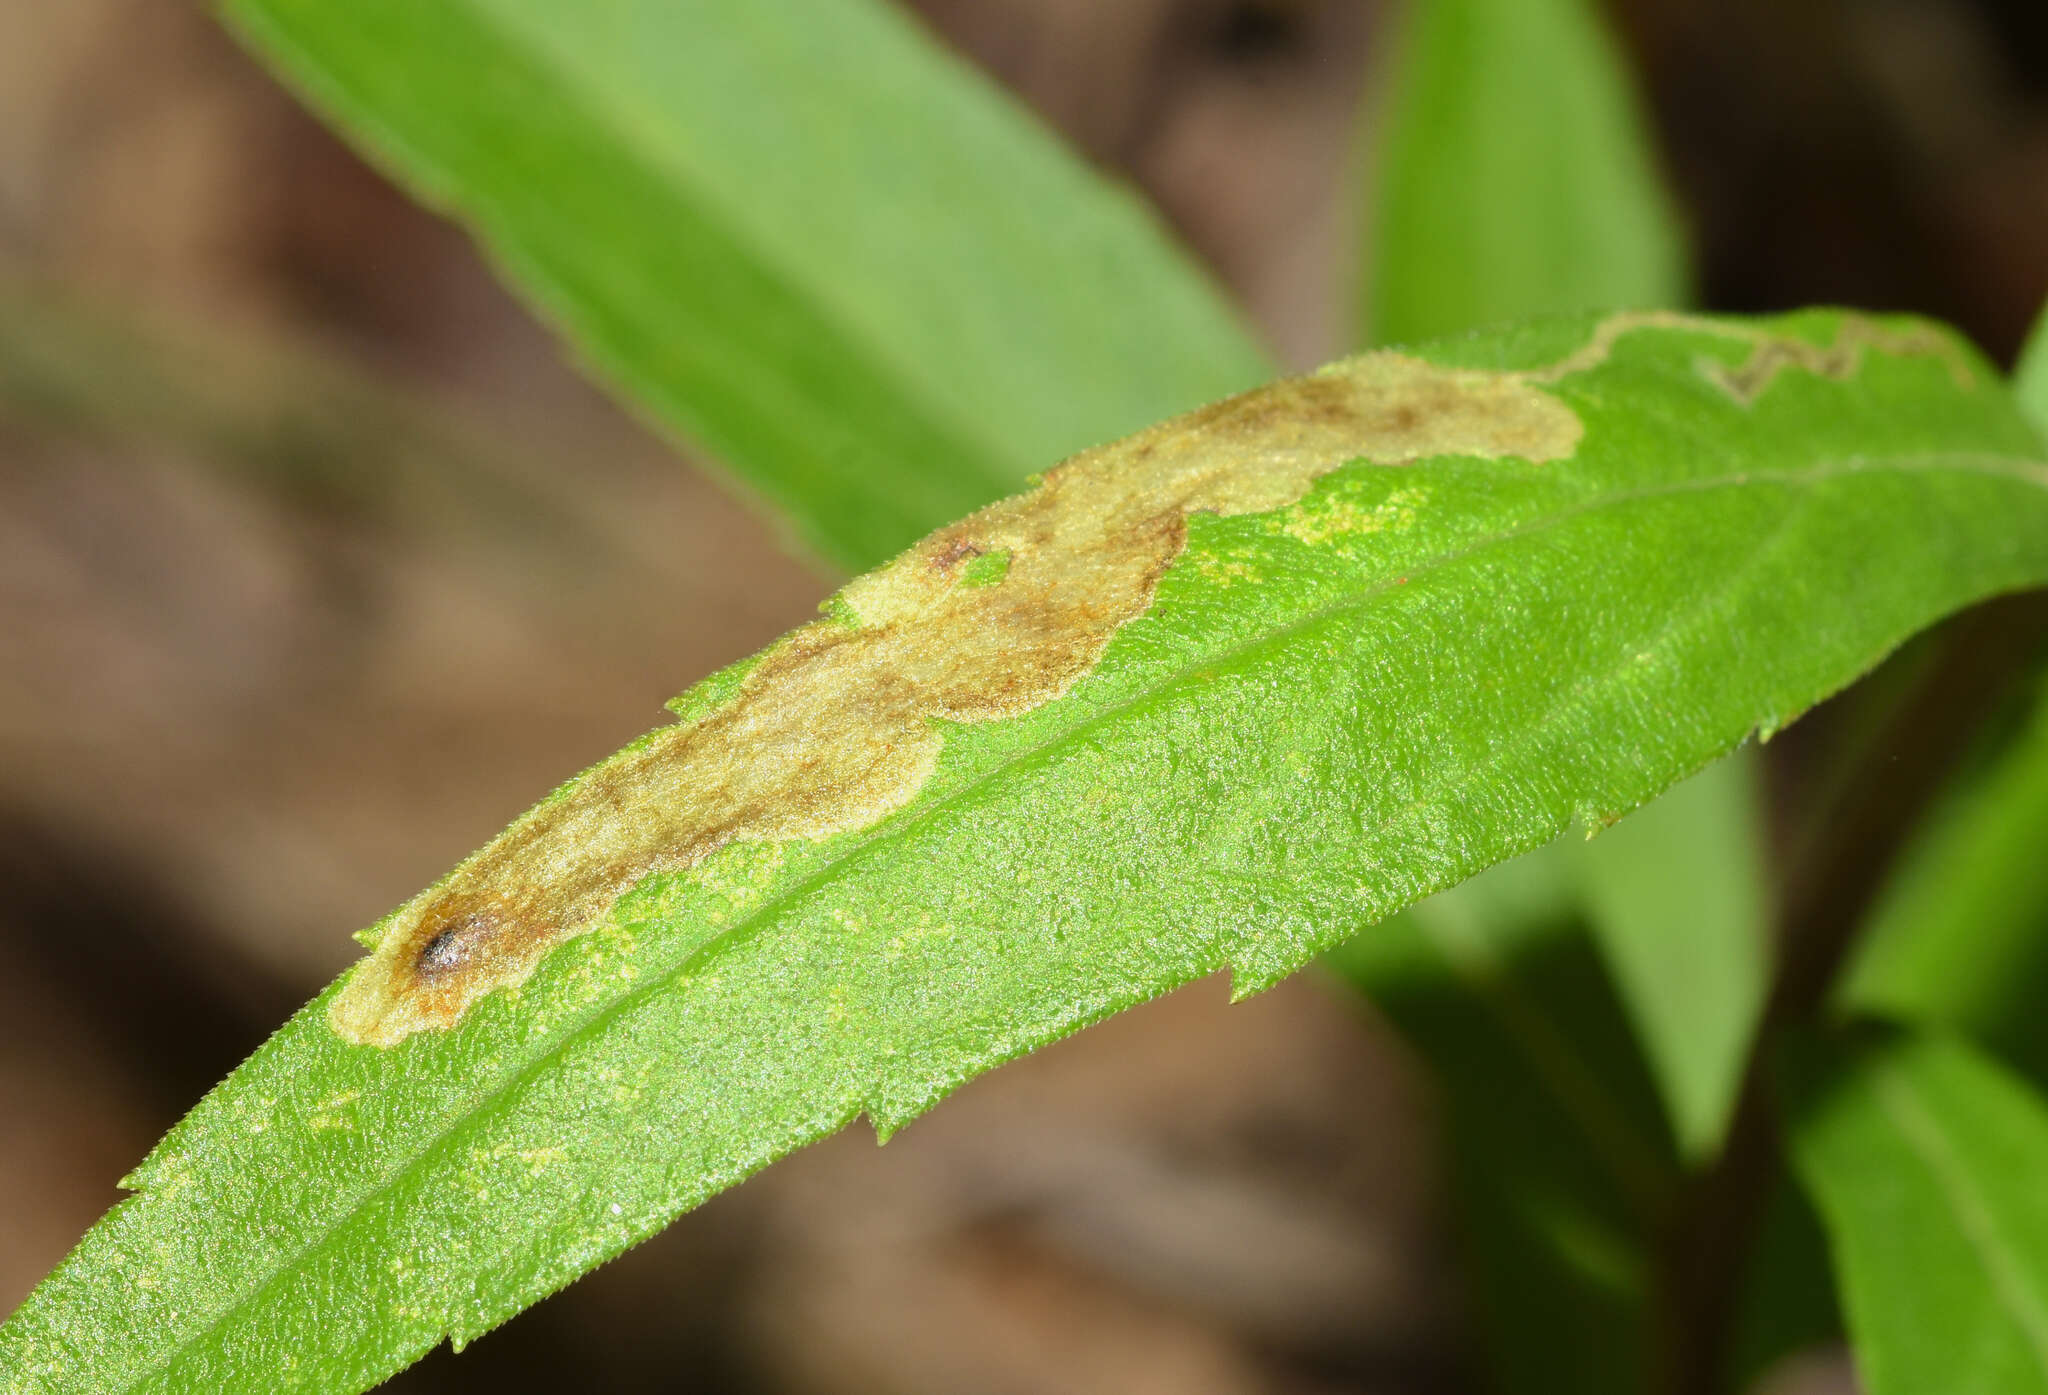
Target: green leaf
(1241,688)
(1518,180)
(1677,898)
(1560,1165)
(1515,177)
(1786,1302)
(794,231)
(1959,937)
(1926,1160)
(2030,377)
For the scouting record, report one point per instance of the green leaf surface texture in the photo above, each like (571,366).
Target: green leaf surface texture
(795,231)
(1341,686)
(1557,1229)
(1677,895)
(1515,177)
(1959,938)
(1925,1159)
(1514,136)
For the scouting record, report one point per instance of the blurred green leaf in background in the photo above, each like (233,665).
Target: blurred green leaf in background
(794,231)
(1561,1168)
(1960,938)
(1514,175)
(1926,1159)
(1676,896)
(2030,378)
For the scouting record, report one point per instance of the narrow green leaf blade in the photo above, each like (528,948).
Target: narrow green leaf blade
(1926,1160)
(1959,938)
(2030,376)
(1676,894)
(1560,1165)
(794,231)
(1238,690)
(1515,177)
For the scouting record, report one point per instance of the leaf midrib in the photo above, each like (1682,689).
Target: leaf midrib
(1900,1102)
(2012,467)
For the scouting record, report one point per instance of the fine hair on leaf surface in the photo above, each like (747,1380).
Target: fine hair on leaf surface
(1247,681)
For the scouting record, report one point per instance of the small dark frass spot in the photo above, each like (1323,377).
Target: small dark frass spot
(446,951)
(957,551)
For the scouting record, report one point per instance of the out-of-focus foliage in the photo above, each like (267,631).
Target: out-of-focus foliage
(1561,1164)
(1787,1302)
(1960,939)
(1515,176)
(2030,378)
(1675,894)
(793,230)
(1925,1158)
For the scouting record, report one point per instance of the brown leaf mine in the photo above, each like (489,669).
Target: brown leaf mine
(1771,356)
(833,728)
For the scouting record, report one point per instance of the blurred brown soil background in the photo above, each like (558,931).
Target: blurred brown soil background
(319,562)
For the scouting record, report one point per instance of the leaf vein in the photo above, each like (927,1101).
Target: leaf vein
(500,1093)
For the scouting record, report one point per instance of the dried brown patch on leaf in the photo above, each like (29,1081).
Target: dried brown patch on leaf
(1770,353)
(833,728)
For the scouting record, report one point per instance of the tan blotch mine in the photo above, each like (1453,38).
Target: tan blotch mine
(833,728)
